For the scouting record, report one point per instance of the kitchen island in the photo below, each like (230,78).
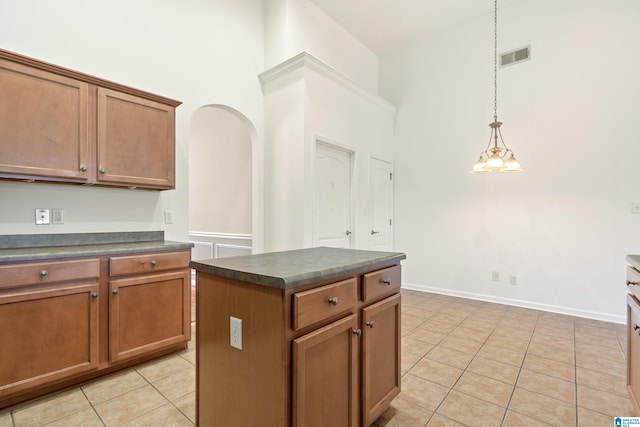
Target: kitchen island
(308,337)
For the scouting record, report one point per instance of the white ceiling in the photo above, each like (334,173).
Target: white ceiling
(385,25)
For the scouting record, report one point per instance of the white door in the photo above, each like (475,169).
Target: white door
(381,190)
(332,210)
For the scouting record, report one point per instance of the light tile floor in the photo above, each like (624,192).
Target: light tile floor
(464,363)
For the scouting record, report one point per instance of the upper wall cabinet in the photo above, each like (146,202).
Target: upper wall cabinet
(59,125)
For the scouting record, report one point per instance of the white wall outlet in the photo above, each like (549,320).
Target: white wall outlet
(635,207)
(42,216)
(57,216)
(168,217)
(235,329)
(495,276)
(513,280)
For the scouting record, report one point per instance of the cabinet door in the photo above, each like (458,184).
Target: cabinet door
(633,351)
(47,335)
(325,376)
(148,313)
(380,356)
(44,127)
(136,141)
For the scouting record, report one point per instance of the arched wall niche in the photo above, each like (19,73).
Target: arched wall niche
(225,183)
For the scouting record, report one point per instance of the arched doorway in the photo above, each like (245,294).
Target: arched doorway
(225,202)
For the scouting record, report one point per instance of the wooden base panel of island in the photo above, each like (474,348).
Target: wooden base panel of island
(320,354)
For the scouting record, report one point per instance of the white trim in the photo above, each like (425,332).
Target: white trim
(220,235)
(305,59)
(217,246)
(605,317)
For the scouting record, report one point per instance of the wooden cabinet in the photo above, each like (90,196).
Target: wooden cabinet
(49,330)
(135,141)
(320,354)
(63,126)
(66,321)
(44,131)
(148,313)
(325,380)
(633,351)
(380,356)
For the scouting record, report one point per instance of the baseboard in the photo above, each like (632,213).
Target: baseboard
(605,317)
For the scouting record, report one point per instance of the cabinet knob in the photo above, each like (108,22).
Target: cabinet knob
(635,327)
(386,282)
(102,170)
(83,168)
(629,282)
(348,232)
(94,295)
(115,292)
(371,324)
(333,301)
(43,273)
(374,232)
(154,262)
(357,332)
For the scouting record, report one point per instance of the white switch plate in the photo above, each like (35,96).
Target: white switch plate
(235,329)
(168,217)
(42,216)
(513,280)
(57,216)
(495,276)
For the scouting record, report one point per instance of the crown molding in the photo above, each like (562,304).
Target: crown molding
(308,61)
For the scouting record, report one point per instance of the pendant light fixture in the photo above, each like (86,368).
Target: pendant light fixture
(493,158)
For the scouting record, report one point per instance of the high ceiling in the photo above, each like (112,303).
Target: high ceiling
(385,25)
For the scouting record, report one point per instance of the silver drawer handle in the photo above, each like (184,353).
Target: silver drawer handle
(386,282)
(83,168)
(154,262)
(374,232)
(333,301)
(357,332)
(629,282)
(43,273)
(115,292)
(94,295)
(103,171)
(371,324)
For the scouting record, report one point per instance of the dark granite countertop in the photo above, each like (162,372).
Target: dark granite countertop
(35,247)
(297,267)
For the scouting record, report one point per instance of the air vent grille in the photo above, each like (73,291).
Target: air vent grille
(515,56)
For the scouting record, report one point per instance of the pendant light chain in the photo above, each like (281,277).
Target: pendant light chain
(495,60)
(496,157)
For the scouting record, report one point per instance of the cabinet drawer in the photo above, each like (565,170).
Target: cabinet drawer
(320,303)
(380,283)
(134,264)
(12,276)
(633,281)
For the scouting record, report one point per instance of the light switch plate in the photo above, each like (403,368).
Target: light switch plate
(42,216)
(57,216)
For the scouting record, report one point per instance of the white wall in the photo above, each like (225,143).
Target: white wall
(564,225)
(294,26)
(307,101)
(198,52)
(219,172)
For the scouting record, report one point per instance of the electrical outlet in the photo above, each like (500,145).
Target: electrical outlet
(42,216)
(513,280)
(495,276)
(58,216)
(235,329)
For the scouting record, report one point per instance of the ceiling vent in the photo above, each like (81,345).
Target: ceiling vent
(515,56)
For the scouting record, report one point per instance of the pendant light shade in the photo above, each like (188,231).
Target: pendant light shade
(496,157)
